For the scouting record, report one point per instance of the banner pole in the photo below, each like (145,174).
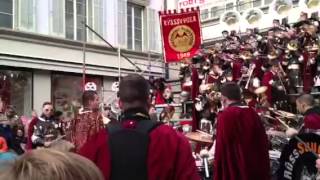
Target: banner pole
(119,63)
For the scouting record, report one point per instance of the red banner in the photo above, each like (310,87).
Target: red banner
(181,34)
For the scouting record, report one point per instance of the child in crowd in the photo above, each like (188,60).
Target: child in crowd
(51,165)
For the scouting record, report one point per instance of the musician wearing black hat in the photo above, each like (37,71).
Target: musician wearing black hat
(241,151)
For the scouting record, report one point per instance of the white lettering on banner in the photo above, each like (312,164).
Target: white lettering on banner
(183,55)
(190,3)
(289,165)
(174,22)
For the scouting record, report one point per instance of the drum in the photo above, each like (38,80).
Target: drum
(297,161)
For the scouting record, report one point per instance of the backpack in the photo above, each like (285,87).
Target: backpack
(129,150)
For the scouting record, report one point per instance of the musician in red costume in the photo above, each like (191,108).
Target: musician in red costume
(88,121)
(268,80)
(241,142)
(166,155)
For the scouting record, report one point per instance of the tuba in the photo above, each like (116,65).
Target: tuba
(231,20)
(309,6)
(253,17)
(281,8)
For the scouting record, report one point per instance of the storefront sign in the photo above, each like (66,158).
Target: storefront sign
(296,161)
(181,35)
(182,4)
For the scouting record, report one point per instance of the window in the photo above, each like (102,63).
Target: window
(6,11)
(315,15)
(69,19)
(204,14)
(257,3)
(244,5)
(229,6)
(95,19)
(122,25)
(267,2)
(134,27)
(57,17)
(214,12)
(81,17)
(27,12)
(16,90)
(74,16)
(217,11)
(67,92)
(154,31)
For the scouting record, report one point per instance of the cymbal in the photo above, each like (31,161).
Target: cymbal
(199,137)
(283,113)
(261,90)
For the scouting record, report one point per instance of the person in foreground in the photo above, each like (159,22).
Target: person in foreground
(138,148)
(47,164)
(241,141)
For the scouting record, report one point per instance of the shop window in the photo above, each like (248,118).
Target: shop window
(16,91)
(67,92)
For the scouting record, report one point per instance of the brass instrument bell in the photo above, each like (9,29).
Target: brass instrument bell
(292,45)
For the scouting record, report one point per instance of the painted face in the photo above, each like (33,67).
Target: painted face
(167,94)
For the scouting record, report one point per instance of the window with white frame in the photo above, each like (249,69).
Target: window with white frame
(204,14)
(95,19)
(69,16)
(135,27)
(122,24)
(75,14)
(217,11)
(257,3)
(244,5)
(27,15)
(267,2)
(213,12)
(81,17)
(56,17)
(229,6)
(154,31)
(6,11)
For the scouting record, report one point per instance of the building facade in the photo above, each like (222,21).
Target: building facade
(43,44)
(212,12)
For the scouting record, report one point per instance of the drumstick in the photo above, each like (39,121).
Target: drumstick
(299,139)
